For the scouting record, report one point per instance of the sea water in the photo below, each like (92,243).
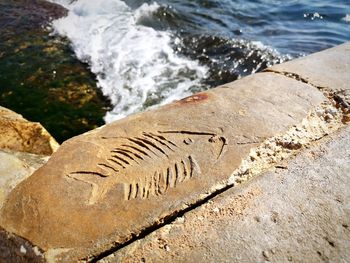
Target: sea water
(148,53)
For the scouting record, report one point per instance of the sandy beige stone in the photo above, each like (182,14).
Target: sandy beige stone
(16,167)
(18,134)
(102,188)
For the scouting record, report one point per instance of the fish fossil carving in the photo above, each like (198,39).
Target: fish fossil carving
(150,164)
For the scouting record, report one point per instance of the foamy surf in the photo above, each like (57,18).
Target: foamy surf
(135,65)
(346,18)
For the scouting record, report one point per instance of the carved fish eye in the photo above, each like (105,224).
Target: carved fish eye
(188,141)
(213,139)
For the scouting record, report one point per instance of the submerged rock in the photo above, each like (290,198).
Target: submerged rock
(39,76)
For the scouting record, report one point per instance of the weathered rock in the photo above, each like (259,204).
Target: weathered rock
(16,167)
(299,213)
(132,174)
(18,134)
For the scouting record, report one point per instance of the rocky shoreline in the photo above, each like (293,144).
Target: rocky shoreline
(39,75)
(261,164)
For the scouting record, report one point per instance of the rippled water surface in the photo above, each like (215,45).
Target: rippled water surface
(147,53)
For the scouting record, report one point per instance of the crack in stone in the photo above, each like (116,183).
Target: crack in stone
(159,224)
(280,147)
(329,93)
(295,76)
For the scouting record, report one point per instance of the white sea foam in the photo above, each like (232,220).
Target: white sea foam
(135,65)
(346,18)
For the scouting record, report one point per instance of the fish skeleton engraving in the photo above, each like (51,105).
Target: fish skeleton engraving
(149,164)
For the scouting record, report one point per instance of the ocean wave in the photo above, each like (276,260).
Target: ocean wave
(228,59)
(135,65)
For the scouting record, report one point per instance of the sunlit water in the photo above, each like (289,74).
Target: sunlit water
(147,53)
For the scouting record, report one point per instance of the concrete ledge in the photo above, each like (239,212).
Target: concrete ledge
(130,177)
(328,69)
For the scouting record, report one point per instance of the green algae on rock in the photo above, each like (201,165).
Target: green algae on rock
(39,76)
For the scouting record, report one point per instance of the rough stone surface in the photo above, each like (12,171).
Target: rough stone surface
(132,174)
(16,249)
(14,168)
(18,134)
(300,212)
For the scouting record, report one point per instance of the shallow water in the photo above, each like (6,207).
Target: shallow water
(147,53)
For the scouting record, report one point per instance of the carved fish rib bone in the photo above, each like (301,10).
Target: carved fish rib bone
(159,182)
(169,153)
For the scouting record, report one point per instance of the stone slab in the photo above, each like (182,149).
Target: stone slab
(329,69)
(300,213)
(18,134)
(130,175)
